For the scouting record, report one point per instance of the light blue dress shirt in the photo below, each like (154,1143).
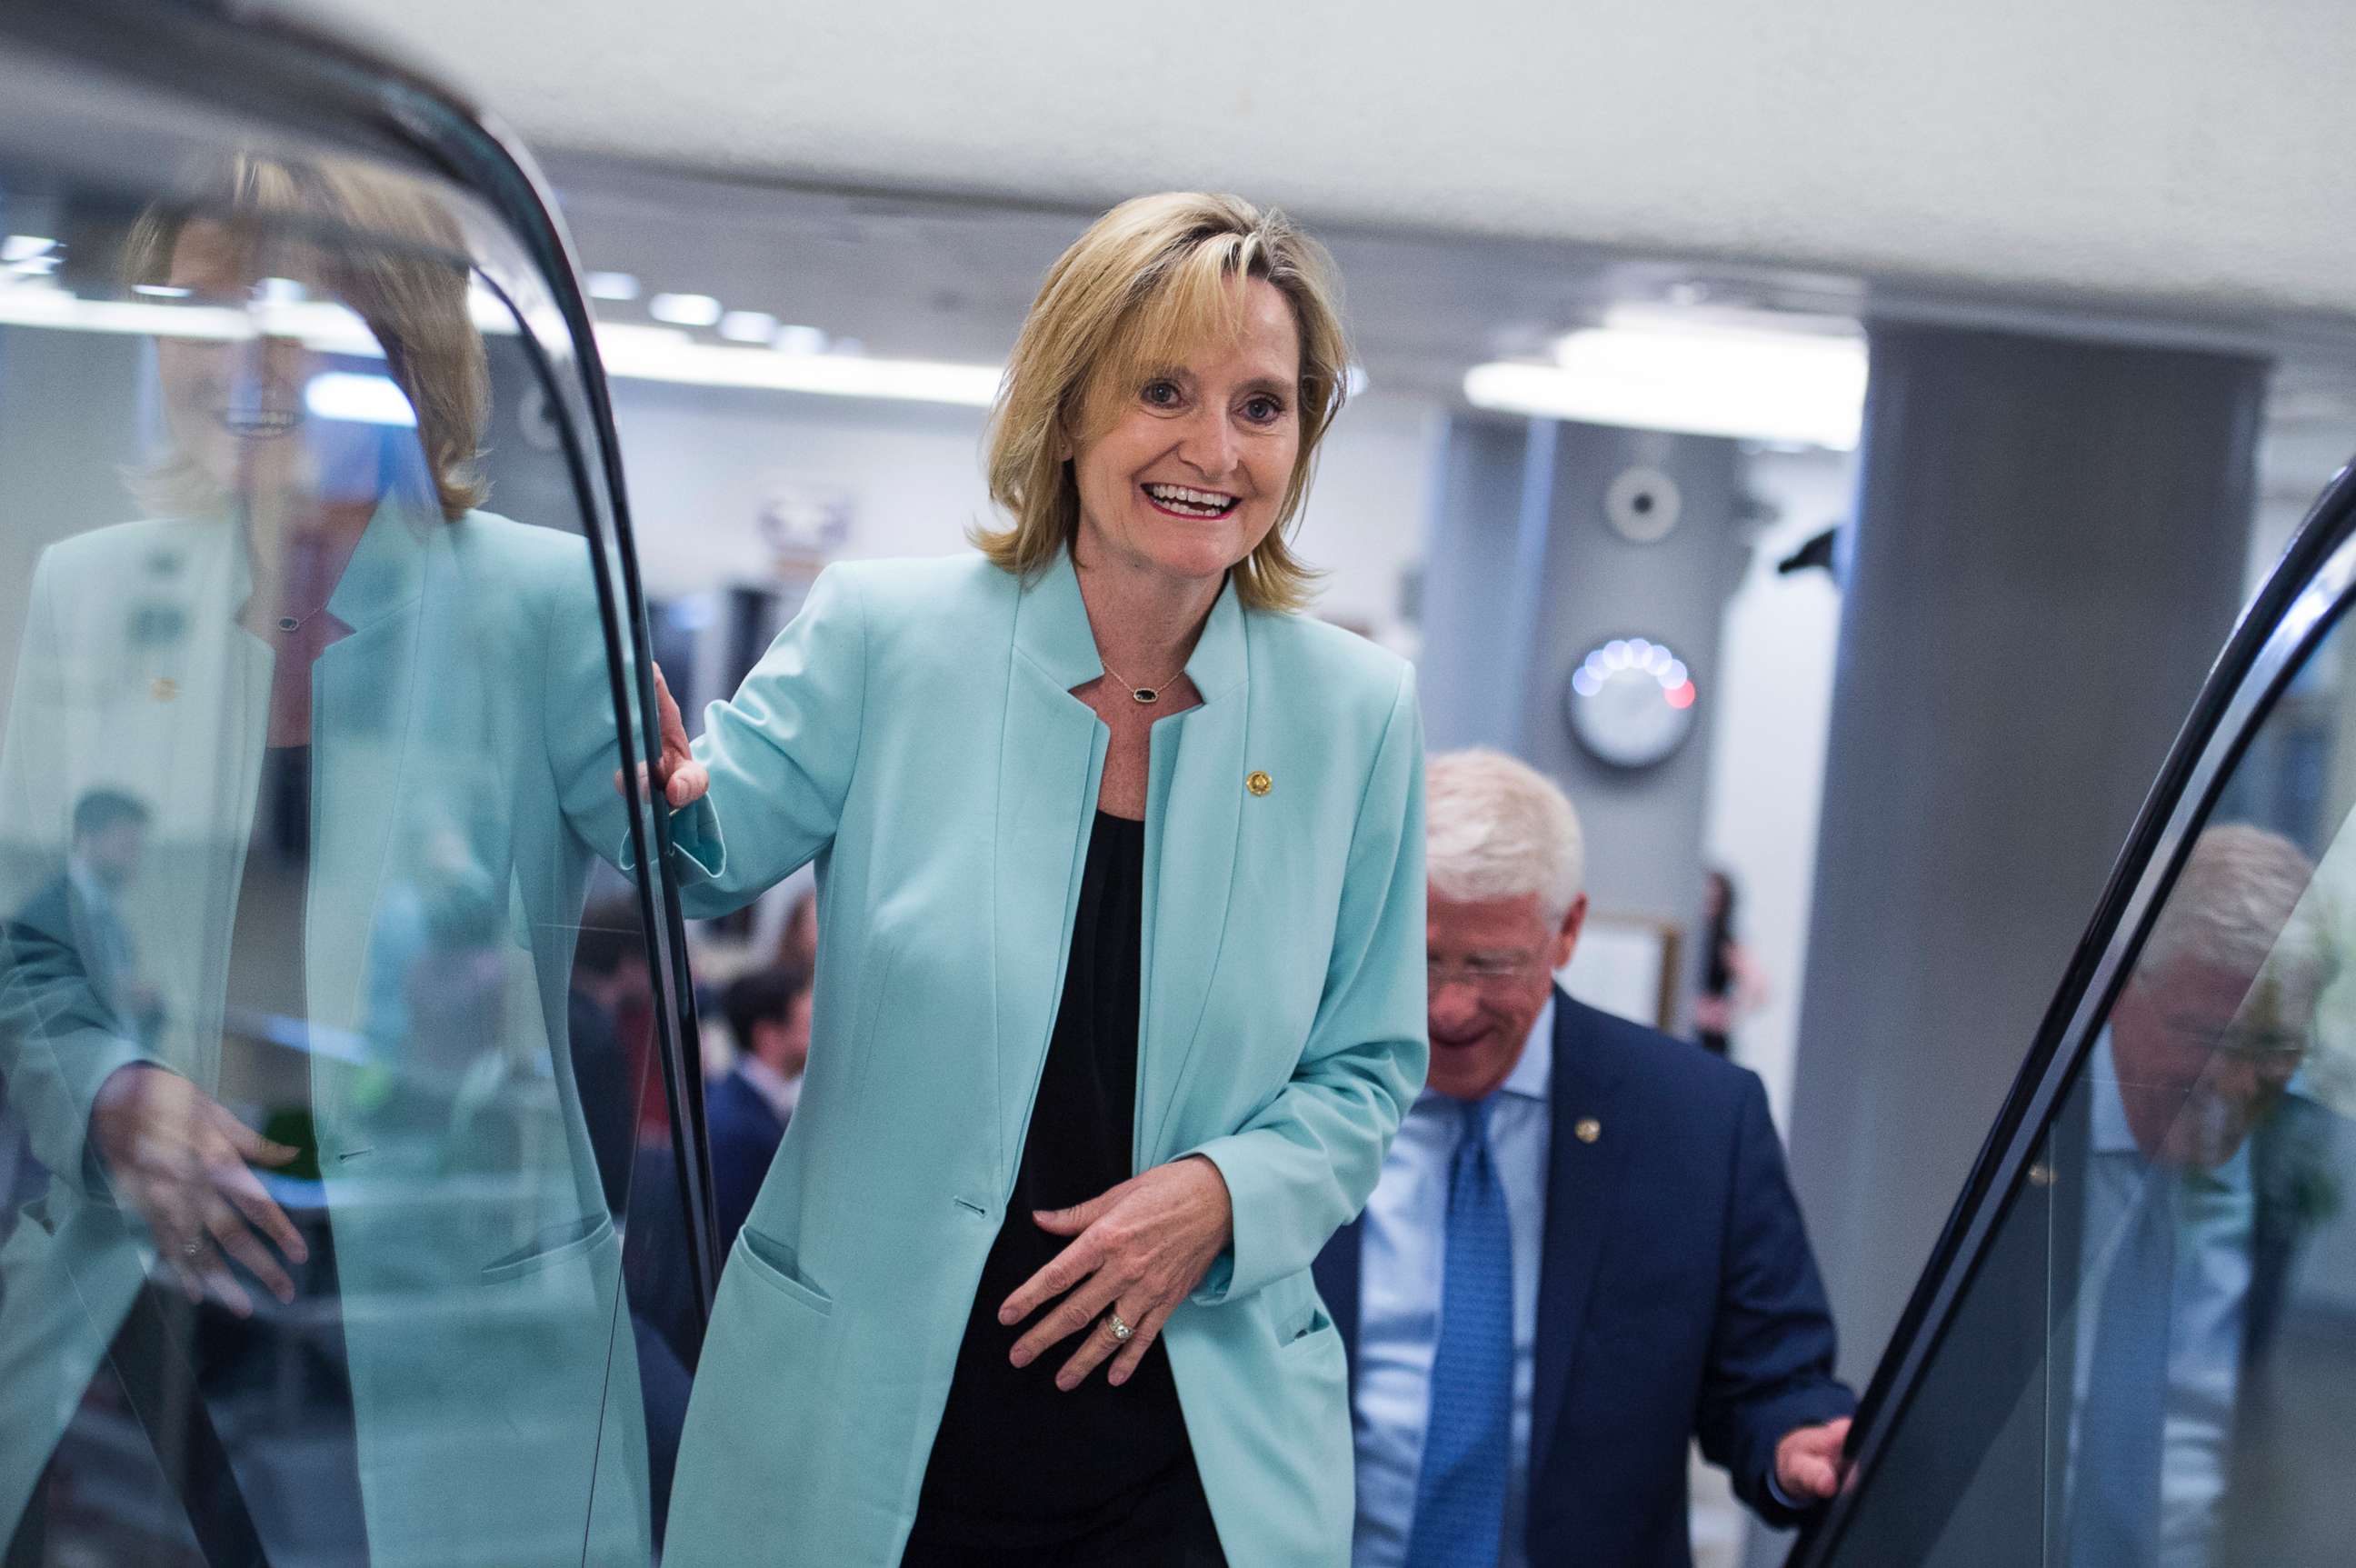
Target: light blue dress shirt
(2216,1211)
(1399,1326)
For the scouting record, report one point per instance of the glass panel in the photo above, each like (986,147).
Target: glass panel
(2156,1363)
(324,1098)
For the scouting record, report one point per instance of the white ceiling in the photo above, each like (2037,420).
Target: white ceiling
(2184,154)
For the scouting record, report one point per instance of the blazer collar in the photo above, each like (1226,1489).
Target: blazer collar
(1051,631)
(386,573)
(387,570)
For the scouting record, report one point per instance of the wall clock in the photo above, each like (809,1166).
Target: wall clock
(1631,701)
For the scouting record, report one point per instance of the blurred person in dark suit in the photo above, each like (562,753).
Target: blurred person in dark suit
(108,840)
(1583,1252)
(746,1111)
(797,943)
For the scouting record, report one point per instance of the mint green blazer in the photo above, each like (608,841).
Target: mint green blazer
(914,733)
(462,761)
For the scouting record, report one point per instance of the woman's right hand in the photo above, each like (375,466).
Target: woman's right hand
(683,779)
(178,1157)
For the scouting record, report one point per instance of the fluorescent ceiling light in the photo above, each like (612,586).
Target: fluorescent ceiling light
(652,354)
(795,338)
(161,290)
(613,285)
(684,309)
(1702,380)
(359,399)
(748,326)
(25,247)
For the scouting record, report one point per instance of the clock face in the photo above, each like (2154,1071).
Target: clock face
(1631,701)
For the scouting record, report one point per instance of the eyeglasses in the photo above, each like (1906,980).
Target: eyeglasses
(1483,971)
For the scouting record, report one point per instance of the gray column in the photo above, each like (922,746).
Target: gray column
(1524,576)
(2049,553)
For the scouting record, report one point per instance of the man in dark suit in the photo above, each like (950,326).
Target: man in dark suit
(79,907)
(746,1110)
(1582,1254)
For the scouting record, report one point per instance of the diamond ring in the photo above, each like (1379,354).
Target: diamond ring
(1120,1331)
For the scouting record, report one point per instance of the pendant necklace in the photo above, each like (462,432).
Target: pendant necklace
(1145,694)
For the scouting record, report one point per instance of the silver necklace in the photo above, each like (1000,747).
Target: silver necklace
(1145,694)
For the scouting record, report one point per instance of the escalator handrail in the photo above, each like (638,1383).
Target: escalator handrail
(2302,598)
(265,66)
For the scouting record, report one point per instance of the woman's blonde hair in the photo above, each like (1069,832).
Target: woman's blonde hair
(388,251)
(1150,280)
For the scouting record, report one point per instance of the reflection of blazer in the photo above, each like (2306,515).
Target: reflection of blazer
(461,768)
(914,730)
(1677,1297)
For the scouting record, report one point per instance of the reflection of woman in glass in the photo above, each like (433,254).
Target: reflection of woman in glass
(373,726)
(1119,973)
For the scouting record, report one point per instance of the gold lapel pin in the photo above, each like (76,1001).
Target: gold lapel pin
(1257,782)
(1588,1130)
(163,688)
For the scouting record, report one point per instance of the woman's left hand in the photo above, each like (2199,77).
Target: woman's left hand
(1142,1248)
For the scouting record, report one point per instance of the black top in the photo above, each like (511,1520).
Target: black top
(1019,1463)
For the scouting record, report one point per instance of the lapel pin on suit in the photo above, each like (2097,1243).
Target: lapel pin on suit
(163,688)
(1588,1130)
(1257,782)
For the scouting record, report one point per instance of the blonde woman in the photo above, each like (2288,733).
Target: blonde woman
(1121,974)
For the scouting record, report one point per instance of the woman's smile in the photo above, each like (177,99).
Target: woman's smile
(1185,500)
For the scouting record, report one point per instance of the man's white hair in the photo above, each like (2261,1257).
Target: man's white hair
(1497,828)
(2241,903)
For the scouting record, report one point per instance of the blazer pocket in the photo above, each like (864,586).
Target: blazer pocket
(1304,1326)
(553,1245)
(773,1263)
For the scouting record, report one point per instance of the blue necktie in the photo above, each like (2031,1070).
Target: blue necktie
(2115,1508)
(1460,1493)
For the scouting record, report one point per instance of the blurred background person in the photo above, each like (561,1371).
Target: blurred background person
(110,836)
(1583,1253)
(797,943)
(1731,983)
(746,1111)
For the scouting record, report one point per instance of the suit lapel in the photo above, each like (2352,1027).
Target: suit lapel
(1050,758)
(1194,805)
(1582,1195)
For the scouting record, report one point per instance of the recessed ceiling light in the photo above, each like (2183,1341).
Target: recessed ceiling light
(747,325)
(684,309)
(613,285)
